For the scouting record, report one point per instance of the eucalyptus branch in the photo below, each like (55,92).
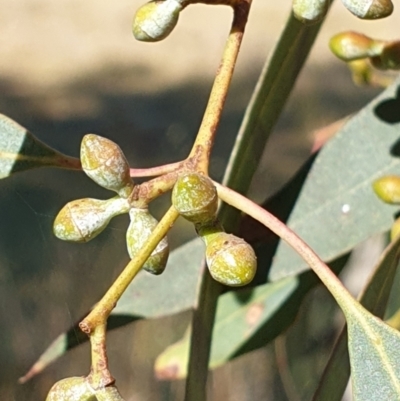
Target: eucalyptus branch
(212,115)
(99,314)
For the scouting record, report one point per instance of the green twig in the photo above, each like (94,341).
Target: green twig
(98,316)
(205,138)
(204,314)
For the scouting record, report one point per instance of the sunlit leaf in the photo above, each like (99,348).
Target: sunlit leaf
(374,349)
(374,298)
(337,208)
(20,150)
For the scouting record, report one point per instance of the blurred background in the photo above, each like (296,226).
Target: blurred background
(71,67)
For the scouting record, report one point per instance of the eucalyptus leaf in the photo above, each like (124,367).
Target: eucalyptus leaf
(337,208)
(374,349)
(374,298)
(20,150)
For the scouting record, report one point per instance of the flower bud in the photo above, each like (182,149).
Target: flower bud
(83,219)
(369,9)
(104,162)
(388,189)
(139,230)
(155,20)
(231,260)
(72,389)
(310,11)
(195,197)
(350,46)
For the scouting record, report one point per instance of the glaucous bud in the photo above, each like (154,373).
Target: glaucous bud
(349,46)
(105,163)
(155,20)
(195,197)
(72,389)
(140,228)
(231,260)
(310,11)
(388,189)
(83,219)
(369,9)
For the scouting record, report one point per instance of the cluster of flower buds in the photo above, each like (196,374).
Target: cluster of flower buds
(155,20)
(354,46)
(83,219)
(79,389)
(387,188)
(313,11)
(230,260)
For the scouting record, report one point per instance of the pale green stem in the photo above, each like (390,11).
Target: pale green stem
(205,138)
(103,308)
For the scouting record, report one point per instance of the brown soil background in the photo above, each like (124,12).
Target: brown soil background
(71,67)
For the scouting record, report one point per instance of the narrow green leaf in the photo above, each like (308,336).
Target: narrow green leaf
(20,150)
(374,298)
(337,208)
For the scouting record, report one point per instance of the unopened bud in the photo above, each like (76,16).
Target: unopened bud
(155,20)
(83,219)
(369,9)
(350,46)
(231,260)
(195,197)
(310,11)
(105,163)
(388,189)
(72,389)
(139,230)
